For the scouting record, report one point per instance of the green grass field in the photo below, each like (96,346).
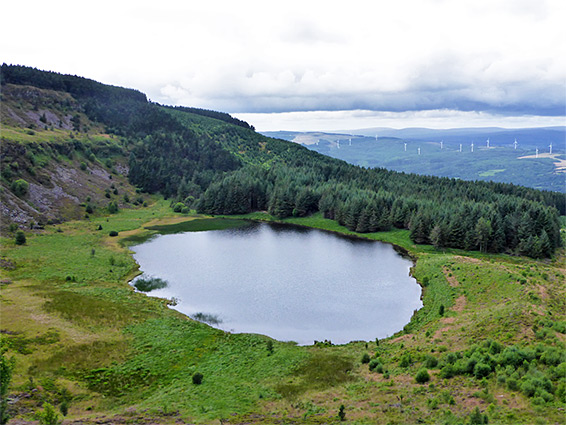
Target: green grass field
(79,332)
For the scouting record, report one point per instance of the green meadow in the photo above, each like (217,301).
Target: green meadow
(491,336)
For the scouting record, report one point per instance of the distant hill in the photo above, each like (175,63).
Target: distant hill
(440,152)
(71,143)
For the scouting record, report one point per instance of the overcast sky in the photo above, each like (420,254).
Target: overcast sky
(312,65)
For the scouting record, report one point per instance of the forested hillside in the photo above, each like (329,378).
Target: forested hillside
(220,165)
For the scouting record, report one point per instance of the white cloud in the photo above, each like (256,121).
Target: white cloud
(359,119)
(505,56)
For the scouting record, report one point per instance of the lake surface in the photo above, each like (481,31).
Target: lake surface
(291,283)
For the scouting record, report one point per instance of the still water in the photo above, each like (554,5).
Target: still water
(290,283)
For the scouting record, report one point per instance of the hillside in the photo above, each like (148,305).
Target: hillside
(82,162)
(420,151)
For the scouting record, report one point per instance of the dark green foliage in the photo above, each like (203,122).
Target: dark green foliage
(113,207)
(481,370)
(64,407)
(269,345)
(20,238)
(441,310)
(406,360)
(476,418)
(197,378)
(422,376)
(178,207)
(430,362)
(342,413)
(48,416)
(216,115)
(20,187)
(365,358)
(375,366)
(113,233)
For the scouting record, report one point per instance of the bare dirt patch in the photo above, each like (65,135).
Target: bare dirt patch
(402,338)
(452,281)
(459,304)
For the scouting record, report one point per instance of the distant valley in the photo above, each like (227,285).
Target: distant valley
(448,153)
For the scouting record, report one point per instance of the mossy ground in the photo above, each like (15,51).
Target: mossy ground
(79,332)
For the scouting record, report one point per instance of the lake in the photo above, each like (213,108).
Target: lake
(287,282)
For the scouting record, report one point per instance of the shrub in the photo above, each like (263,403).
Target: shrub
(49,416)
(178,207)
(365,358)
(197,378)
(406,360)
(476,418)
(20,238)
(430,362)
(342,413)
(83,166)
(64,407)
(422,376)
(113,207)
(113,233)
(481,370)
(20,187)
(373,364)
(447,372)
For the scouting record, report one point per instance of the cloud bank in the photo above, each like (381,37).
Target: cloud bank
(498,57)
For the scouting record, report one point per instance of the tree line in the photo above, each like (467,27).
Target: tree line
(221,166)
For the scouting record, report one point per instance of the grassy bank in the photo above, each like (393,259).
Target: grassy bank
(80,334)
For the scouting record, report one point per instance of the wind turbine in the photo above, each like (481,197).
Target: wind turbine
(536,153)
(515,144)
(338,143)
(550,148)
(405,147)
(487,142)
(350,144)
(472,146)
(441,142)
(460,147)
(419,151)
(376,137)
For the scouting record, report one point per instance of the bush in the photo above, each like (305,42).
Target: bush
(20,187)
(374,364)
(113,233)
(197,378)
(447,372)
(422,376)
(406,360)
(113,207)
(20,238)
(49,416)
(476,418)
(178,207)
(430,362)
(365,358)
(481,370)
